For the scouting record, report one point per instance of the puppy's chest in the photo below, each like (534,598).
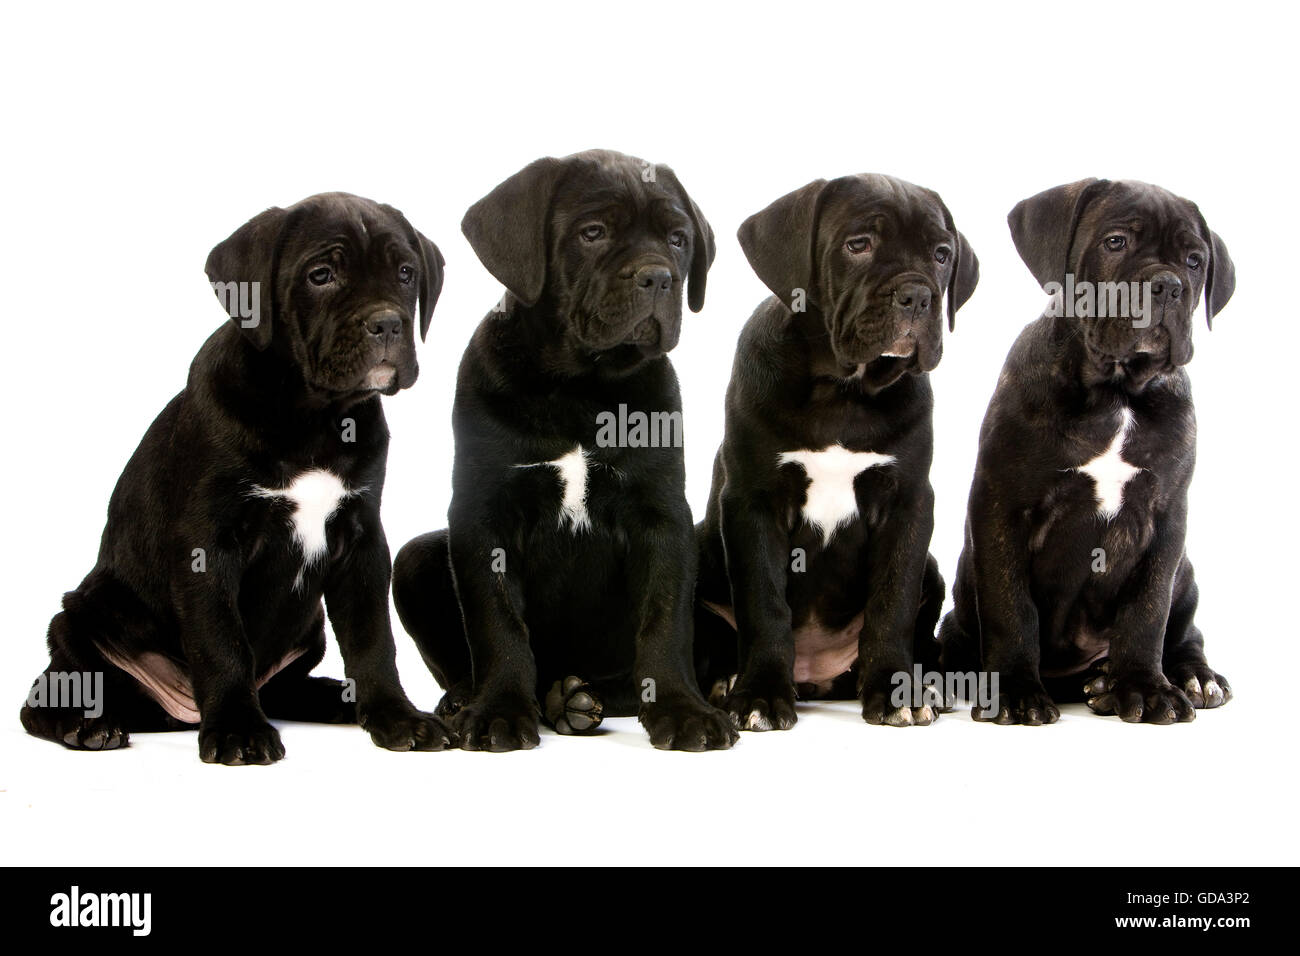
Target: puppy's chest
(303,510)
(581,489)
(822,486)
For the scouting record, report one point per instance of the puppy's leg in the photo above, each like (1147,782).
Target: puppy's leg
(757,555)
(294,694)
(120,705)
(673,712)
(425,596)
(356,598)
(715,654)
(1184,652)
(503,713)
(900,586)
(1008,617)
(1136,688)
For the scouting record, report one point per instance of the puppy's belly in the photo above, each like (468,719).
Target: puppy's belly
(168,684)
(822,653)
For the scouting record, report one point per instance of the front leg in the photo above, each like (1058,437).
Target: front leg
(356,598)
(894,560)
(662,576)
(756,550)
(998,541)
(503,714)
(233,730)
(1135,687)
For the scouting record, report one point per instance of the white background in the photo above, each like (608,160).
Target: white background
(137,138)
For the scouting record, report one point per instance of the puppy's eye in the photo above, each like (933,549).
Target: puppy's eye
(677,238)
(322,275)
(1194,261)
(1115,243)
(941,254)
(858,244)
(592,233)
(406,275)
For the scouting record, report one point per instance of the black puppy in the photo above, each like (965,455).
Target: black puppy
(1074,570)
(814,573)
(255,493)
(569,561)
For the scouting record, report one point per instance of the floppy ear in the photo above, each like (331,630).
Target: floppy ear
(241,270)
(1042,226)
(779,242)
(1220,278)
(705,248)
(965,270)
(431,268)
(507,228)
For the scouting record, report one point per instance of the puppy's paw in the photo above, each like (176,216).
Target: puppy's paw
(239,741)
(400,726)
(572,707)
(73,729)
(762,705)
(1023,701)
(453,701)
(1203,687)
(880,707)
(1140,698)
(498,725)
(688,724)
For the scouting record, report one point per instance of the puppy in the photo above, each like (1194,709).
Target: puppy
(1074,571)
(563,582)
(254,494)
(814,575)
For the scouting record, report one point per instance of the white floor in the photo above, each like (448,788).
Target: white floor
(1087,790)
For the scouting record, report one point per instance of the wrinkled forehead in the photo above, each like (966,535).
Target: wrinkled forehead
(858,202)
(613,184)
(341,219)
(1141,207)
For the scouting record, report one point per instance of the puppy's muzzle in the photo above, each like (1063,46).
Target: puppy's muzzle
(910,312)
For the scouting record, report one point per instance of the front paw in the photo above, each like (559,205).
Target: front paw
(1140,698)
(688,724)
(764,704)
(400,726)
(1203,687)
(1023,701)
(885,702)
(242,740)
(497,725)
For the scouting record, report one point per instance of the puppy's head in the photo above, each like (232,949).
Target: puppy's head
(1133,261)
(336,284)
(606,243)
(876,257)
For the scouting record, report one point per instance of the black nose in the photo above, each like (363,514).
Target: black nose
(653,278)
(1165,287)
(912,299)
(385,325)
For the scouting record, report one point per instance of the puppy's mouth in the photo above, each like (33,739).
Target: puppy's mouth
(381,378)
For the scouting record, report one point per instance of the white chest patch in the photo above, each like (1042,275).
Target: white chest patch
(315,495)
(572,469)
(829,503)
(1110,472)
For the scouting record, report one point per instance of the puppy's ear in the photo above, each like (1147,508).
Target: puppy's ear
(705,248)
(965,269)
(241,270)
(431,268)
(1043,226)
(779,243)
(1220,277)
(965,276)
(507,228)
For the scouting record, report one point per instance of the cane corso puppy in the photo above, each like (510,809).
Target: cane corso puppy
(566,573)
(254,494)
(1074,582)
(815,581)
